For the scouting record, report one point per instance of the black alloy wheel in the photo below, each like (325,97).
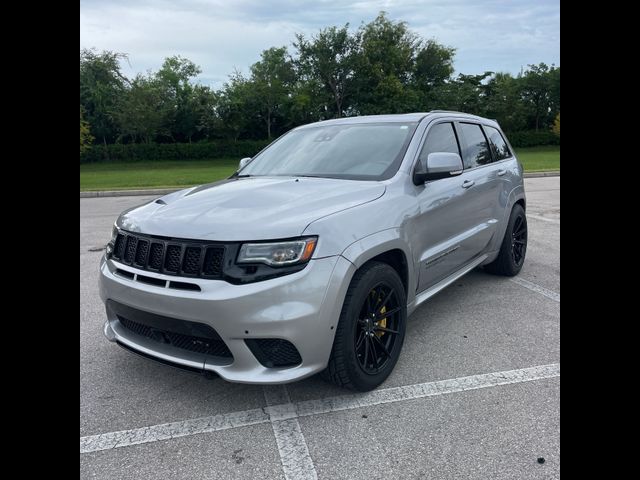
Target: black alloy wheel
(370,329)
(375,339)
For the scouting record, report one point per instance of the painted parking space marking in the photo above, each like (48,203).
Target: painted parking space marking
(166,431)
(292,447)
(537,288)
(429,389)
(284,410)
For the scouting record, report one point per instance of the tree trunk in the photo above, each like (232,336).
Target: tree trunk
(269,123)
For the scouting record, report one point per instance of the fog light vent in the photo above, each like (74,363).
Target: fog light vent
(274,352)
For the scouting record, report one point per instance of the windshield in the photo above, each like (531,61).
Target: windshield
(371,151)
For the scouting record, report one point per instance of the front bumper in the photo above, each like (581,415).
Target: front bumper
(302,307)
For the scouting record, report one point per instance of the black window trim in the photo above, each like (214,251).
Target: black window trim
(495,162)
(423,140)
(461,134)
(484,127)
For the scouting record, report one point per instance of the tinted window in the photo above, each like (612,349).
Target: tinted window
(362,151)
(500,148)
(475,149)
(441,138)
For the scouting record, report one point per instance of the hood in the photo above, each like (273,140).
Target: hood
(254,208)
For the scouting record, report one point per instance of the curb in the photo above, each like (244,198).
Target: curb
(542,174)
(164,191)
(129,193)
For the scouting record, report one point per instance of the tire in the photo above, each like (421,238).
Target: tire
(514,245)
(358,360)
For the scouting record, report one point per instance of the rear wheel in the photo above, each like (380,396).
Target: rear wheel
(514,245)
(371,329)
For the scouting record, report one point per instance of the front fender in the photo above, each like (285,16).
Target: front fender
(366,248)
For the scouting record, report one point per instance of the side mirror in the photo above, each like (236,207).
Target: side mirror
(243,162)
(438,165)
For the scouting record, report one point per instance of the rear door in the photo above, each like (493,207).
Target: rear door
(484,191)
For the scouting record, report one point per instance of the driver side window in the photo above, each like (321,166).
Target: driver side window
(441,138)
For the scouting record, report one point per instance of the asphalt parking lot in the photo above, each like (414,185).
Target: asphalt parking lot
(475,393)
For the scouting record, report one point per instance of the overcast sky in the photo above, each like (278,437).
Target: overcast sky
(221,35)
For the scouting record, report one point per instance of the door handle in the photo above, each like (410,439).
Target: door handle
(468,183)
(501,172)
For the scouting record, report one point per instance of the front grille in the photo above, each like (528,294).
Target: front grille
(130,250)
(191,262)
(213,345)
(172,258)
(274,352)
(141,253)
(155,258)
(118,249)
(213,261)
(175,257)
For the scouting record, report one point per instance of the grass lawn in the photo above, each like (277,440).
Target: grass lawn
(539,159)
(120,176)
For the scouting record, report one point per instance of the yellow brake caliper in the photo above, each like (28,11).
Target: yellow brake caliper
(383,321)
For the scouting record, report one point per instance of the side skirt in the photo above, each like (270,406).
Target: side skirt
(445,282)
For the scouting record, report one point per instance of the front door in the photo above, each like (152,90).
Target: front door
(456,214)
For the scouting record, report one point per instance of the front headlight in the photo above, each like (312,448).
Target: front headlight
(110,246)
(278,254)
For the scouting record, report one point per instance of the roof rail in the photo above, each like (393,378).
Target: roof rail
(448,111)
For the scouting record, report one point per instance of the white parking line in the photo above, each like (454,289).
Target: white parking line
(294,453)
(166,431)
(537,288)
(286,410)
(544,219)
(429,389)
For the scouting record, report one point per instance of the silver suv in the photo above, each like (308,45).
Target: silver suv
(312,255)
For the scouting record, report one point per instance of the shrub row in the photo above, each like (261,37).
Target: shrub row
(243,148)
(172,151)
(531,138)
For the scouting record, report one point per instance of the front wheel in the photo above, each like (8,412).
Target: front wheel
(371,329)
(514,245)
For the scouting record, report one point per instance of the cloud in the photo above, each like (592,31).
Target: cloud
(220,35)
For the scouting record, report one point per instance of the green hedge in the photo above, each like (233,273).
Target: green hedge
(172,151)
(244,148)
(531,138)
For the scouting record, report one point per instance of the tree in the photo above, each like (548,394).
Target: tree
(328,59)
(101,88)
(556,125)
(536,93)
(433,69)
(385,67)
(503,103)
(85,135)
(466,93)
(143,110)
(182,104)
(234,106)
(272,78)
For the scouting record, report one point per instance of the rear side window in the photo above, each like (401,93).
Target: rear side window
(475,148)
(499,146)
(441,138)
